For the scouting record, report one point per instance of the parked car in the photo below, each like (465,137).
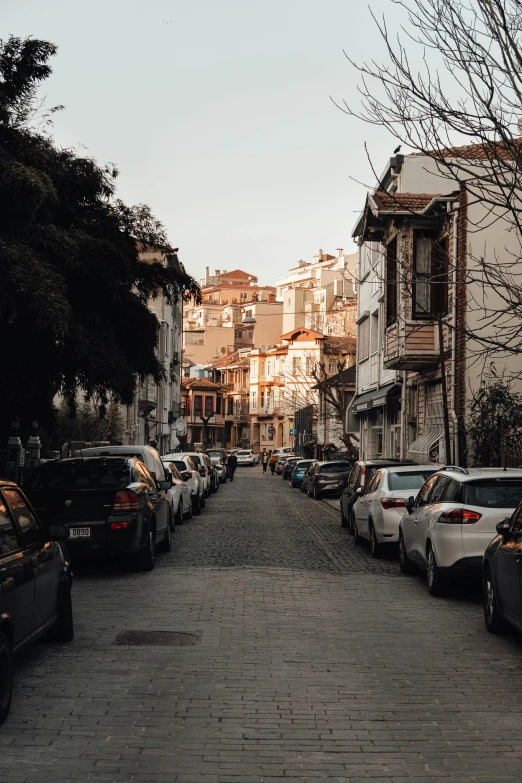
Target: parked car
(281,462)
(147,454)
(450,524)
(112,505)
(502,576)
(35,583)
(213,473)
(179,494)
(298,472)
(378,510)
(222,453)
(288,466)
(307,475)
(198,458)
(327,478)
(285,450)
(221,469)
(189,473)
(246,457)
(360,474)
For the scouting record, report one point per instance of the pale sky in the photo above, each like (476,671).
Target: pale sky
(217,114)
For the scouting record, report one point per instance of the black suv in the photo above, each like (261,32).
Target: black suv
(362,471)
(35,583)
(328,479)
(112,505)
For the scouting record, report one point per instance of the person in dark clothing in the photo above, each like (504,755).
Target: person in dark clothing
(232,465)
(264,460)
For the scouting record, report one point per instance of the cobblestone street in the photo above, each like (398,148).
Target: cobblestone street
(315,661)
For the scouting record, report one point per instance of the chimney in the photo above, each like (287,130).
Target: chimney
(218,272)
(206,275)
(340,252)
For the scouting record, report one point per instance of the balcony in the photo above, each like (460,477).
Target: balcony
(270,411)
(411,346)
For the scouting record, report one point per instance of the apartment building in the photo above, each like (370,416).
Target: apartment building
(204,412)
(417,305)
(232,372)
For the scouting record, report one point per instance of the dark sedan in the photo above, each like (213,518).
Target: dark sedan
(327,479)
(112,505)
(288,467)
(502,576)
(299,472)
(35,583)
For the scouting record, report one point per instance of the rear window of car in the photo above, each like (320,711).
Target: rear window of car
(196,459)
(80,476)
(180,466)
(408,480)
(243,454)
(335,467)
(492,493)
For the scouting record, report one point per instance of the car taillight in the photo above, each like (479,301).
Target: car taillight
(362,477)
(202,472)
(393,502)
(186,475)
(125,500)
(119,525)
(459,516)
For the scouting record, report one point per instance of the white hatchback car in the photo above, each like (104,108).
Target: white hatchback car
(380,506)
(189,473)
(453,519)
(179,494)
(246,458)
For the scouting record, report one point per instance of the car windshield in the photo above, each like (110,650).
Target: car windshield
(335,467)
(408,480)
(243,454)
(216,460)
(80,475)
(493,492)
(196,459)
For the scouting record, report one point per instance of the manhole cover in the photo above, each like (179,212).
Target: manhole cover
(157,638)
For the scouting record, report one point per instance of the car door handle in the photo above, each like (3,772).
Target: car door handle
(41,557)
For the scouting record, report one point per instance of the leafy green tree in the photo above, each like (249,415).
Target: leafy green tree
(73,292)
(495,426)
(88,421)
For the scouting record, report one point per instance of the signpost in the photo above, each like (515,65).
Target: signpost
(293,432)
(292,438)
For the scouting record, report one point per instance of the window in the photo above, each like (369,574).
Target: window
(430,275)
(364,339)
(492,493)
(423,496)
(253,368)
(253,401)
(374,332)
(143,475)
(230,410)
(309,365)
(332,367)
(8,538)
(27,522)
(209,406)
(391,282)
(407,480)
(263,365)
(198,405)
(219,402)
(262,402)
(439,490)
(373,483)
(296,365)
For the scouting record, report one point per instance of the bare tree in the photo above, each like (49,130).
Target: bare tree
(459,103)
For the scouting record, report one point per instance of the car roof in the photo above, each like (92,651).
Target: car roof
(382,463)
(409,468)
(470,474)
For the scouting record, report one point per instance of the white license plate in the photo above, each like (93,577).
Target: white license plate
(80,532)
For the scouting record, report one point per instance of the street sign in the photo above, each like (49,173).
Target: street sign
(293,431)
(292,438)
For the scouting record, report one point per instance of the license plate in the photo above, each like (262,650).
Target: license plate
(80,532)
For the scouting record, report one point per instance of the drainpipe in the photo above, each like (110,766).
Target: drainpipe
(453,393)
(402,447)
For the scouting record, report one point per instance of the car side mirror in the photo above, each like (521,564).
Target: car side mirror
(410,503)
(358,491)
(187,477)
(165,485)
(503,527)
(57,532)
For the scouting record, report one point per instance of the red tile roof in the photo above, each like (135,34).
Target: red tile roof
(483,151)
(199,383)
(402,202)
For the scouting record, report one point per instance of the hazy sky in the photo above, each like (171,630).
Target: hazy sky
(217,114)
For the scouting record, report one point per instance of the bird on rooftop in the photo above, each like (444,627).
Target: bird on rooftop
(397,149)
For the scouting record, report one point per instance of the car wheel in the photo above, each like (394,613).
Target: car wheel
(356,536)
(375,547)
(495,623)
(437,581)
(203,501)
(63,629)
(189,514)
(178,517)
(6,676)
(405,564)
(316,494)
(166,544)
(147,556)
(196,504)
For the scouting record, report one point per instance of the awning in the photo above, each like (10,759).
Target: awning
(373,399)
(429,447)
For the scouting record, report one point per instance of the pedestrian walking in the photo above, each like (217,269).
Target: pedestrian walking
(232,465)
(264,461)
(272,462)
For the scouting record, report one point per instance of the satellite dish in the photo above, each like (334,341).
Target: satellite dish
(263,349)
(181,426)
(223,350)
